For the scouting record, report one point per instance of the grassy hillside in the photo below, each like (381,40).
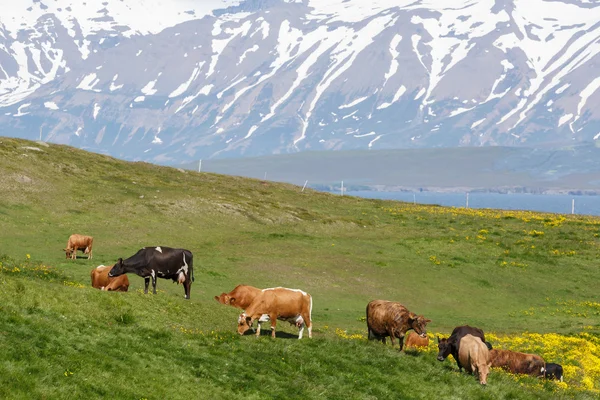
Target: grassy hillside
(527,279)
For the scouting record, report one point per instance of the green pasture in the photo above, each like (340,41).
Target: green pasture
(504,272)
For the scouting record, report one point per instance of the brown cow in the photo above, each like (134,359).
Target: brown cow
(451,345)
(292,305)
(241,296)
(518,363)
(474,356)
(79,242)
(390,318)
(415,340)
(101,280)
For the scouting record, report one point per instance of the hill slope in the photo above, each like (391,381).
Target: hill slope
(505,272)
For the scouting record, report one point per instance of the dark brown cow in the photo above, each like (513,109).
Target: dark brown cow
(241,296)
(79,242)
(415,340)
(292,305)
(452,344)
(390,318)
(475,357)
(101,280)
(518,363)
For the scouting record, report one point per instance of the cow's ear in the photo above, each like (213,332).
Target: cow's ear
(230,300)
(412,316)
(427,321)
(217,298)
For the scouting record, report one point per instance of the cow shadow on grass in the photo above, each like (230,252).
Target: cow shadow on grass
(278,334)
(414,352)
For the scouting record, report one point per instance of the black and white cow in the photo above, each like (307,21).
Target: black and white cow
(553,371)
(162,262)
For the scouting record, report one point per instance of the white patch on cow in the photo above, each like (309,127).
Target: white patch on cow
(153,274)
(100,266)
(159,249)
(264,318)
(160,273)
(185,266)
(293,290)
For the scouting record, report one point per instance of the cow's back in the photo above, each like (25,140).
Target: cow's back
(284,302)
(243,295)
(473,352)
(382,314)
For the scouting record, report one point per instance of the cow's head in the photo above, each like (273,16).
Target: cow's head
(244,323)
(68,252)
(418,323)
(117,269)
(224,298)
(484,370)
(444,349)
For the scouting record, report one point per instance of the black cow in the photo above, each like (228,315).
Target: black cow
(164,262)
(452,344)
(553,371)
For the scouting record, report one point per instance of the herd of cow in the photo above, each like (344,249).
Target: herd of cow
(384,318)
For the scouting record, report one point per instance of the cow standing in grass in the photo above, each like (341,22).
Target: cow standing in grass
(452,344)
(79,242)
(161,262)
(390,318)
(291,305)
(475,357)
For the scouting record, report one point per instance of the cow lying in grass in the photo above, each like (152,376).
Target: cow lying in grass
(101,280)
(518,363)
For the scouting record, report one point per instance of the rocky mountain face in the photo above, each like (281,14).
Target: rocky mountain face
(170,81)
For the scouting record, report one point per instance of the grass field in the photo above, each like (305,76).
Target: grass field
(529,280)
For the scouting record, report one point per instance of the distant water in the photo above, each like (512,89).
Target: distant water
(553,203)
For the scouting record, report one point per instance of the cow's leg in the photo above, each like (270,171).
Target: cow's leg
(273,318)
(301,330)
(187,284)
(153,283)
(146,283)
(257,327)
(401,341)
(391,333)
(308,323)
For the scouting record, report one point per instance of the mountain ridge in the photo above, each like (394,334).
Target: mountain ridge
(251,78)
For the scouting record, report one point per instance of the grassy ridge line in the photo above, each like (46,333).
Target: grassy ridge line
(505,272)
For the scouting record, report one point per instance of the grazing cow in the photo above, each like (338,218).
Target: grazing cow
(390,318)
(291,305)
(518,363)
(162,262)
(79,242)
(553,371)
(475,357)
(101,280)
(452,344)
(415,340)
(240,297)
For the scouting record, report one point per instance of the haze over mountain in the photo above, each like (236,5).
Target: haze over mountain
(179,80)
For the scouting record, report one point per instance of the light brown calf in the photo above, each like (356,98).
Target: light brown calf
(79,242)
(415,340)
(474,356)
(101,280)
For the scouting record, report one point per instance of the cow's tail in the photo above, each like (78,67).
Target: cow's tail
(192,265)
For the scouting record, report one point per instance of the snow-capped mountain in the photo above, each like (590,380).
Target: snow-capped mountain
(170,81)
